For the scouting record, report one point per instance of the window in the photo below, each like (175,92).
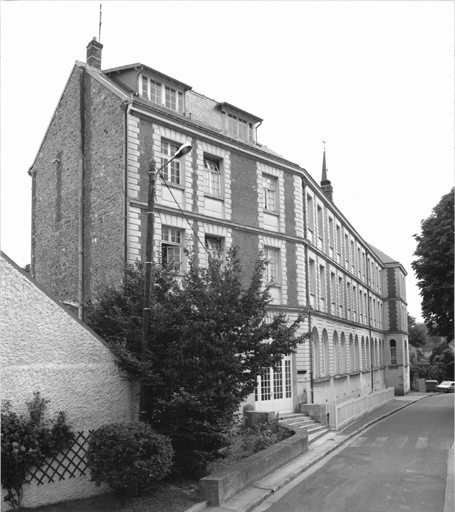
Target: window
(171,247)
(214,247)
(312,278)
(155,91)
(331,232)
(322,281)
(310,213)
(320,227)
(333,292)
(271,254)
(338,240)
(352,257)
(170,172)
(346,248)
(322,289)
(240,128)
(161,94)
(287,378)
(393,352)
(340,294)
(212,176)
(269,185)
(354,298)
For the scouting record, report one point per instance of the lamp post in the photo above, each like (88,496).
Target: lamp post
(184,149)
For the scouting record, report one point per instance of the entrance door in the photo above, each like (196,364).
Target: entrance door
(274,389)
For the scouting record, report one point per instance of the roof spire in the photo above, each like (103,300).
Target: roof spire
(325,183)
(324,168)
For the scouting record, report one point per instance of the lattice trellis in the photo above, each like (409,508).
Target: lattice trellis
(70,463)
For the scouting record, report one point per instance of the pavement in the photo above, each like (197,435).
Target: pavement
(262,489)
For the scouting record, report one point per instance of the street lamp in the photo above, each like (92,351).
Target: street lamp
(184,149)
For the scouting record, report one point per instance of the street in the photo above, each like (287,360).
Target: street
(397,464)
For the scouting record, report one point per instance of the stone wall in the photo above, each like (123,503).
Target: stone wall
(47,349)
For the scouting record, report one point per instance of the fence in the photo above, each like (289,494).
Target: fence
(343,413)
(69,463)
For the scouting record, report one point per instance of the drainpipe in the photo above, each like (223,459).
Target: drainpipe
(125,106)
(307,290)
(80,248)
(369,323)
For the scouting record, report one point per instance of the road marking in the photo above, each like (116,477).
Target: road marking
(400,442)
(445,444)
(379,441)
(358,442)
(422,442)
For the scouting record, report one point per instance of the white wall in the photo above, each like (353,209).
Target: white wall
(47,349)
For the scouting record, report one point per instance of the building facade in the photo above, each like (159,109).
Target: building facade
(90,185)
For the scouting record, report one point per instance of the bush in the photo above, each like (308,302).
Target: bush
(197,430)
(27,442)
(260,437)
(125,455)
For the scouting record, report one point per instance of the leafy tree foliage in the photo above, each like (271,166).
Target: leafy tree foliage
(417,332)
(210,338)
(27,441)
(434,267)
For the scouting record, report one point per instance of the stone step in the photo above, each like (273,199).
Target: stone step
(319,434)
(298,422)
(292,415)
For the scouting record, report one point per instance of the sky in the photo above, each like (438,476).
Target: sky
(375,80)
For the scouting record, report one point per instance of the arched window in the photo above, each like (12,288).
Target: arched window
(343,354)
(325,354)
(351,354)
(373,353)
(367,353)
(336,353)
(393,352)
(316,357)
(363,350)
(356,353)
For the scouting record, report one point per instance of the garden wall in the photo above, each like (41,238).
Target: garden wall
(46,348)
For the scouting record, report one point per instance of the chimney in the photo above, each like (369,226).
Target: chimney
(326,186)
(94,53)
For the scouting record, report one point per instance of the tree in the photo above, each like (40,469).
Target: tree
(417,332)
(210,338)
(434,267)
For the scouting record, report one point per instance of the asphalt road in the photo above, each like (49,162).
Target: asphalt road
(397,464)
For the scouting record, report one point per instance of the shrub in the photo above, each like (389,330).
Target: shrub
(125,455)
(260,437)
(27,442)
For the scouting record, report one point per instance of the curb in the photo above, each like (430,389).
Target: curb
(205,504)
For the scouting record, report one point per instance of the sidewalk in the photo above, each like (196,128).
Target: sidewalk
(261,490)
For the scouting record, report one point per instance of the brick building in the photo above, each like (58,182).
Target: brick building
(88,219)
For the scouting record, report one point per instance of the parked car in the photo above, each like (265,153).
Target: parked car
(448,386)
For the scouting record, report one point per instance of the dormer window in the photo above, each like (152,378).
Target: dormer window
(161,94)
(239,124)
(240,128)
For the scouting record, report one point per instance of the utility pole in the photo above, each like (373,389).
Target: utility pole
(184,149)
(148,279)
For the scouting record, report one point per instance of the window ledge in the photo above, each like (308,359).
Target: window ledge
(322,379)
(171,184)
(340,376)
(212,196)
(270,212)
(355,372)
